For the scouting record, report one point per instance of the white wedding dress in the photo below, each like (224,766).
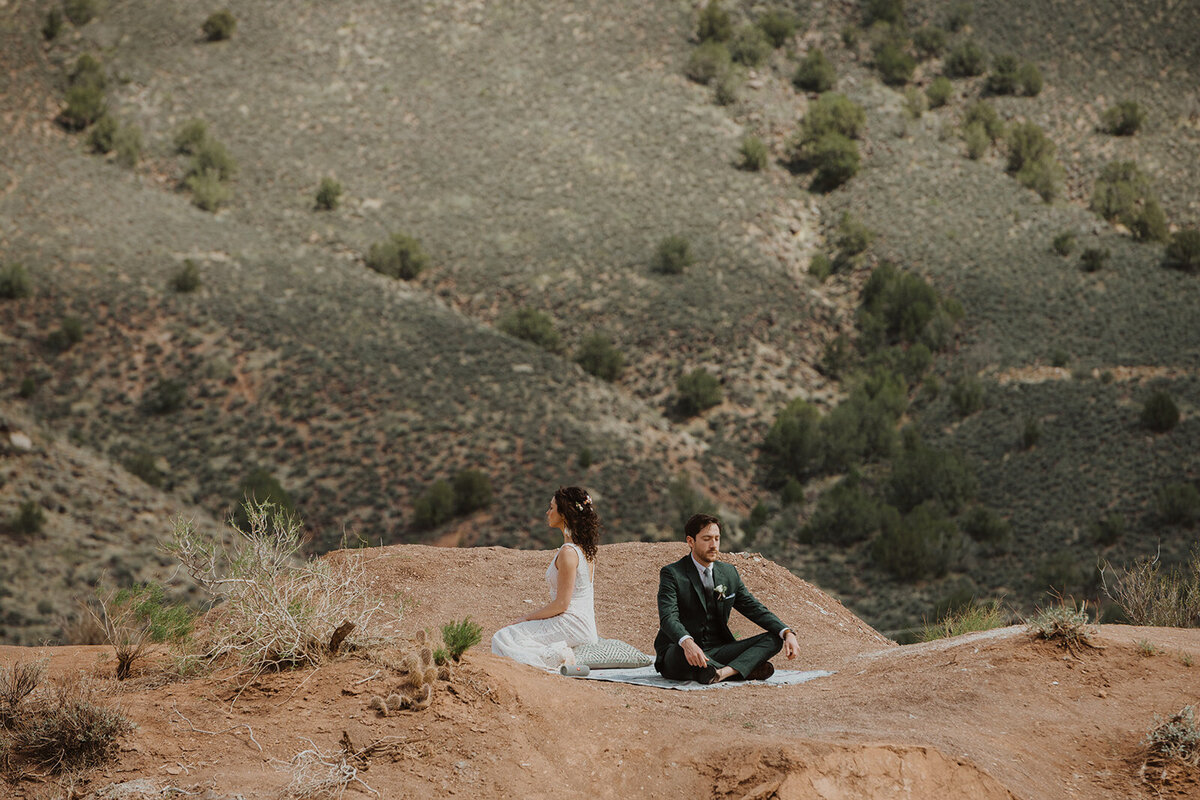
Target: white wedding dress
(547,643)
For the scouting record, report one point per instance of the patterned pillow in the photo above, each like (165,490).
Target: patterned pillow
(611,654)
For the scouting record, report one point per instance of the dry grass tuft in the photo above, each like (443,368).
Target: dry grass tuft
(1065,624)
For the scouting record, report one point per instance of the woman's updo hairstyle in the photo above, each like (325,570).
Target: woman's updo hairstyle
(576,508)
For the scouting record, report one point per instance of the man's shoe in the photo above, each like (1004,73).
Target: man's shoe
(707,674)
(761,672)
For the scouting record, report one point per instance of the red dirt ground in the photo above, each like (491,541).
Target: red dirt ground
(990,715)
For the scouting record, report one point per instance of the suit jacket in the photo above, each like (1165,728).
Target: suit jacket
(683,606)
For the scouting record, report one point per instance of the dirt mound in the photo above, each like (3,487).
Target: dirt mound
(498,585)
(989,715)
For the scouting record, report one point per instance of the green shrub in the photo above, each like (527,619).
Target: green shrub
(834,159)
(792,493)
(212,157)
(1064,624)
(532,326)
(958,15)
(434,507)
(895,64)
(1031,433)
(833,113)
(53,25)
(1159,412)
(899,307)
(970,619)
(14,282)
(889,11)
(984,113)
(585,458)
(850,35)
(673,256)
(260,488)
(779,25)
(187,279)
(966,395)
(219,26)
(853,237)
(939,91)
(85,105)
(1060,358)
(472,491)
(977,140)
(984,525)
(1124,119)
(726,87)
(862,427)
(191,136)
(845,514)
(1094,259)
(165,622)
(80,12)
(1183,252)
(1178,504)
(166,396)
(399,256)
(916,103)
(1149,224)
(69,333)
(708,61)
(696,391)
(29,519)
(1029,78)
(930,41)
(128,144)
(1108,530)
(1059,574)
(1003,77)
(750,46)
(815,73)
(209,192)
(921,473)
(461,636)
(1176,738)
(28,388)
(837,357)
(145,466)
(965,61)
(1123,193)
(87,71)
(1064,243)
(599,356)
(1044,176)
(754,154)
(100,137)
(921,544)
(819,267)
(792,446)
(329,194)
(1027,143)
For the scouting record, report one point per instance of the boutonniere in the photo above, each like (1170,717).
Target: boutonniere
(719,590)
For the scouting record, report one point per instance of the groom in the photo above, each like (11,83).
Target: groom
(695,596)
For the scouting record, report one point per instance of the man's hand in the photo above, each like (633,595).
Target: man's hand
(791,647)
(695,656)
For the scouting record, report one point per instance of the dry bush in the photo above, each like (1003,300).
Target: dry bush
(1176,738)
(277,609)
(1063,623)
(16,683)
(319,774)
(68,729)
(1148,596)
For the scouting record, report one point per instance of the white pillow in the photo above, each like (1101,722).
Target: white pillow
(611,654)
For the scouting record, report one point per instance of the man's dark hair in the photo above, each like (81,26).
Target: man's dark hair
(697,523)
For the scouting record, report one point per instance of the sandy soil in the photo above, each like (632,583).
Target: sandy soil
(990,715)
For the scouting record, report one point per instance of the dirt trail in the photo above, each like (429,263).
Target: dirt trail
(992,715)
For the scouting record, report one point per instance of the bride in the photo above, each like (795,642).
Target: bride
(544,638)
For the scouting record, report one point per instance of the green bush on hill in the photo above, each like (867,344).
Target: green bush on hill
(966,395)
(100,137)
(599,356)
(14,282)
(329,194)
(399,256)
(1029,78)
(750,46)
(899,307)
(85,104)
(472,491)
(696,391)
(128,144)
(834,160)
(714,23)
(1108,530)
(211,156)
(754,154)
(1183,252)
(939,92)
(1159,412)
(958,15)
(819,267)
(190,136)
(166,396)
(434,507)
(80,12)
(985,526)
(930,41)
(219,25)
(532,326)
(889,11)
(260,488)
(28,520)
(707,62)
(965,60)
(1178,504)
(853,237)
(792,445)
(726,87)
(895,64)
(815,73)
(1003,77)
(673,256)
(1064,243)
(1123,119)
(779,25)
(53,25)
(1094,259)
(984,114)
(921,473)
(921,544)
(1123,194)
(832,113)
(1031,160)
(209,192)
(845,514)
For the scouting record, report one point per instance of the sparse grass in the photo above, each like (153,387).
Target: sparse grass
(209,191)
(460,636)
(971,619)
(134,618)
(17,682)
(1065,624)
(316,773)
(1146,648)
(1176,738)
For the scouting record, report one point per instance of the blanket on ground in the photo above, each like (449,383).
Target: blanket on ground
(646,676)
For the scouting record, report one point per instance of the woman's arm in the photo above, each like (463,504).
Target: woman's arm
(568,562)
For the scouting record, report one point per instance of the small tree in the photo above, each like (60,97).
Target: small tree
(779,26)
(128,144)
(532,326)
(1029,78)
(53,25)
(100,137)
(1064,243)
(329,194)
(696,391)
(815,73)
(714,23)
(598,356)
(791,447)
(921,544)
(673,256)
(1159,412)
(219,26)
(1184,250)
(1003,77)
(164,397)
(966,61)
(895,64)
(434,507)
(889,11)
(1123,119)
(835,160)
(472,491)
(399,256)
(750,46)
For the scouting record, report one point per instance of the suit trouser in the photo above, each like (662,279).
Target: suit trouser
(743,655)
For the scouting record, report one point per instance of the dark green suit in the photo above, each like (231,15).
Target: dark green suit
(685,607)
